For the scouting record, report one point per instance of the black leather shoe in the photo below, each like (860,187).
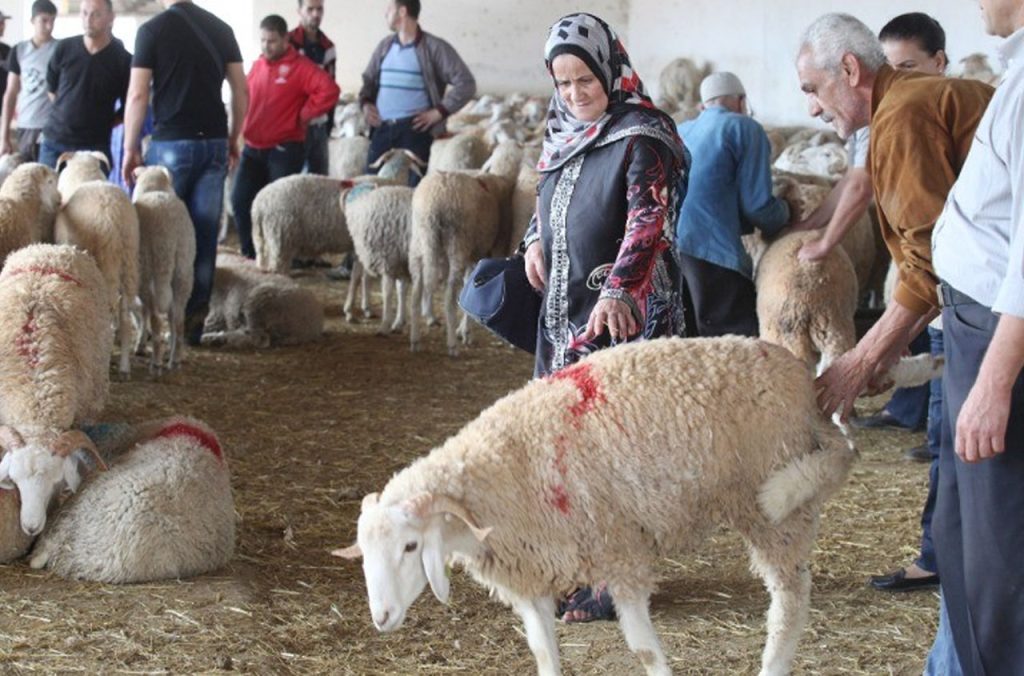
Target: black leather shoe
(899,582)
(881,420)
(918,454)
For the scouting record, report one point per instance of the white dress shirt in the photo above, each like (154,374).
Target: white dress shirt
(978,241)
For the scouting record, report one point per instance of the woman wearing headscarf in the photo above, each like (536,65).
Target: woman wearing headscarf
(600,245)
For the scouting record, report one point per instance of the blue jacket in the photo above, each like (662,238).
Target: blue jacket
(730,190)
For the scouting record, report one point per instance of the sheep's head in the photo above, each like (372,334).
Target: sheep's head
(404,547)
(154,178)
(41,471)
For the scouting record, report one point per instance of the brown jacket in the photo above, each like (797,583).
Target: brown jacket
(921,129)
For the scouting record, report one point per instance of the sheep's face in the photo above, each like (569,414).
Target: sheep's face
(396,551)
(39,475)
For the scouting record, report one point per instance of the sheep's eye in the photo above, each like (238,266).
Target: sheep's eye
(411,547)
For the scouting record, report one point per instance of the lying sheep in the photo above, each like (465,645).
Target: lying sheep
(55,343)
(29,201)
(8,163)
(379,223)
(79,167)
(14,542)
(457,219)
(828,160)
(99,217)
(568,482)
(807,307)
(254,308)
(163,511)
(167,252)
(300,216)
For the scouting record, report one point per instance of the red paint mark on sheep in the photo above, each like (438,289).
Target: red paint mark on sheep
(559,499)
(41,270)
(587,385)
(207,439)
(26,344)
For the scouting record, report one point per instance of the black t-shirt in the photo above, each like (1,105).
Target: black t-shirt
(5,52)
(88,88)
(187,80)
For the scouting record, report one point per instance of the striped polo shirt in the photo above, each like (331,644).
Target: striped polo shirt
(402,90)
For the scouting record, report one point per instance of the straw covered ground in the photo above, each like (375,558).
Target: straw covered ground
(310,430)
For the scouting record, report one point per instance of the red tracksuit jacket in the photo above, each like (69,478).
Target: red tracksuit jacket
(284,95)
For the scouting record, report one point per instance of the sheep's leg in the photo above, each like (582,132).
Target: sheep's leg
(539,621)
(350,296)
(157,330)
(176,320)
(386,285)
(124,336)
(427,310)
(635,622)
(396,327)
(465,334)
(781,556)
(364,288)
(415,303)
(451,309)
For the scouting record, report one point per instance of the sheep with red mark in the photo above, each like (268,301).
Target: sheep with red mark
(163,510)
(55,343)
(29,201)
(99,217)
(167,252)
(597,473)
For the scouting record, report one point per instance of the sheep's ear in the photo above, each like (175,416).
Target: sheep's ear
(62,161)
(5,473)
(73,471)
(353,552)
(433,562)
(102,159)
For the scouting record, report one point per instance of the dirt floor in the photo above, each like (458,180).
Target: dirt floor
(310,430)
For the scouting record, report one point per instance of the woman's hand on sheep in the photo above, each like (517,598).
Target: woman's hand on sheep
(614,314)
(536,272)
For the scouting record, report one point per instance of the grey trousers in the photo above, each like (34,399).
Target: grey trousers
(978,526)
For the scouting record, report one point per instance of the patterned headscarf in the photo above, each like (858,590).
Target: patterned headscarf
(596,44)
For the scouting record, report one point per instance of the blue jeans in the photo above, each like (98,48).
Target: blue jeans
(50,150)
(316,149)
(256,169)
(942,659)
(909,405)
(927,559)
(399,134)
(199,167)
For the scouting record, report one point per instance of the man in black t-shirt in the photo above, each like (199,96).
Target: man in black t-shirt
(5,51)
(87,78)
(183,55)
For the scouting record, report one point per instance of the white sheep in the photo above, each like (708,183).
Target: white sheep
(100,218)
(162,511)
(167,252)
(346,156)
(55,342)
(251,307)
(457,219)
(828,160)
(466,150)
(379,222)
(29,201)
(79,167)
(586,477)
(8,163)
(350,122)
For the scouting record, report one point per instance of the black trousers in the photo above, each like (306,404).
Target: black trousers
(717,301)
(978,526)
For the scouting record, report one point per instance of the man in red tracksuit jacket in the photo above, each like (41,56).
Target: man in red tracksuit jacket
(286,92)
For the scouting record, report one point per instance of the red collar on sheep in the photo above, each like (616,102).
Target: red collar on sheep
(204,437)
(40,270)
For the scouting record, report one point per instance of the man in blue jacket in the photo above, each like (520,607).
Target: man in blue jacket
(730,193)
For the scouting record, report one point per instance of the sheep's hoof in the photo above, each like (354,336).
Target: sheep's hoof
(465,337)
(381,333)
(349,317)
(432,321)
(397,328)
(415,347)
(453,351)
(367,313)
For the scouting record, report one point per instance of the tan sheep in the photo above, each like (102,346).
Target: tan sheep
(29,201)
(55,342)
(167,252)
(588,476)
(79,167)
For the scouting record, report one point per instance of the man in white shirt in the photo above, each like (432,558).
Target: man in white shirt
(978,253)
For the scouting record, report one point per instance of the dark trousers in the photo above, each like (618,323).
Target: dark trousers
(979,513)
(50,150)
(716,300)
(399,134)
(909,405)
(256,169)
(927,560)
(316,150)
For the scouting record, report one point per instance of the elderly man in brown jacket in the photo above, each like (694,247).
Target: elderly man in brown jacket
(921,129)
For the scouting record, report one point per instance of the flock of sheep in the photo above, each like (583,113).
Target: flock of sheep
(84,263)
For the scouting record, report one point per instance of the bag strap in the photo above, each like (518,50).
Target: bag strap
(203,37)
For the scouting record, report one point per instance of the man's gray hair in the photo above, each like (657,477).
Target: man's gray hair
(833,35)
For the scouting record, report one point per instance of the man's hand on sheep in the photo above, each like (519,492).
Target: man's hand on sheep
(427,119)
(840,385)
(814,250)
(614,314)
(536,271)
(132,160)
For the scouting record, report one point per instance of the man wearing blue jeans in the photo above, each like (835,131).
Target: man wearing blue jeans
(183,54)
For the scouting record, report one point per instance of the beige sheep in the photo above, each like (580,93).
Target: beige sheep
(79,167)
(585,477)
(462,151)
(167,252)
(29,201)
(8,163)
(99,217)
(55,341)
